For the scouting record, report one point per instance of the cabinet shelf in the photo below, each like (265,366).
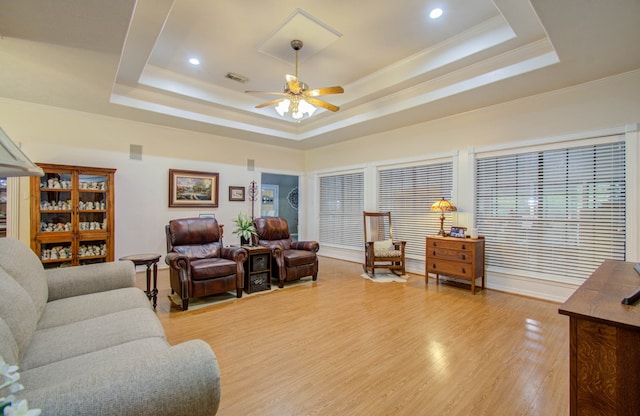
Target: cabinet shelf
(62,260)
(75,188)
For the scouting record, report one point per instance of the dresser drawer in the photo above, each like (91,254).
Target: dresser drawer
(452,269)
(448,254)
(451,244)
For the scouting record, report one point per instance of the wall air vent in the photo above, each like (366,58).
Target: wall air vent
(236,77)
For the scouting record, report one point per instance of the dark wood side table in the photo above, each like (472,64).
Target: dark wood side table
(257,269)
(149,260)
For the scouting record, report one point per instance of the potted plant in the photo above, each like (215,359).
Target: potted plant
(244,228)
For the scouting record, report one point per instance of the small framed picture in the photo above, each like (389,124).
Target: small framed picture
(236,193)
(458,232)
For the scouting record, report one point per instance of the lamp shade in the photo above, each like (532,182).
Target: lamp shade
(443,205)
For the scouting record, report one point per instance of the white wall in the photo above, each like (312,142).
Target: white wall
(54,135)
(610,104)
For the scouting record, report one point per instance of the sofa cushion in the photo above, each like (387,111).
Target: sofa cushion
(17,311)
(384,245)
(199,251)
(140,378)
(8,345)
(293,258)
(208,268)
(25,267)
(97,362)
(66,341)
(78,308)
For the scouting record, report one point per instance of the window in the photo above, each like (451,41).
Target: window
(408,193)
(553,213)
(341,206)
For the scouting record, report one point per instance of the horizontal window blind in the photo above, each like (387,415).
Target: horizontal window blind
(341,206)
(408,193)
(553,213)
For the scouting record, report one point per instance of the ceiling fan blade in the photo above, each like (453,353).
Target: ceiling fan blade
(322,104)
(293,84)
(324,91)
(266,92)
(268,103)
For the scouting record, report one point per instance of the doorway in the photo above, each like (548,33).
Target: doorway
(279,198)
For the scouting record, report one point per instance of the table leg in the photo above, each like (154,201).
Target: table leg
(154,293)
(148,280)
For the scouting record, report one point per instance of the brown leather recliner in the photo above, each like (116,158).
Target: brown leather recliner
(292,259)
(199,264)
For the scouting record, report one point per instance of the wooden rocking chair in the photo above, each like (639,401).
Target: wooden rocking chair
(380,250)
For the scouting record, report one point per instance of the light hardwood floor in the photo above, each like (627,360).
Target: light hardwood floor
(347,346)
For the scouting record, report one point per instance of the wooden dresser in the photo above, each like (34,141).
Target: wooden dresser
(604,343)
(461,258)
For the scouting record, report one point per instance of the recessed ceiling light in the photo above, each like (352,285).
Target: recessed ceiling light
(435,13)
(194,61)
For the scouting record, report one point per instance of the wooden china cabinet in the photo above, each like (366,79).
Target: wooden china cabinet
(72,215)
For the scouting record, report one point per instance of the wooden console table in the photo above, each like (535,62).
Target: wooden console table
(604,343)
(462,258)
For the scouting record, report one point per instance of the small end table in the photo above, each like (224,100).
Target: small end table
(148,260)
(257,269)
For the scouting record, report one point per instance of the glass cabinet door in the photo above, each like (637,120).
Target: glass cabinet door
(92,202)
(56,203)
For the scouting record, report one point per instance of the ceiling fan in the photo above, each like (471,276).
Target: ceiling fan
(297,98)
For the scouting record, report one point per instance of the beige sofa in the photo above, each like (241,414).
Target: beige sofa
(88,343)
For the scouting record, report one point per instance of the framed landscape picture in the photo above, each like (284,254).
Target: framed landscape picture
(236,193)
(189,188)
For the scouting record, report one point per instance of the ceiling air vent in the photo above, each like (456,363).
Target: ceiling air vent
(236,77)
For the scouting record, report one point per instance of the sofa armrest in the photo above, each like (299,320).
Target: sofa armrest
(237,254)
(91,278)
(306,245)
(182,380)
(177,261)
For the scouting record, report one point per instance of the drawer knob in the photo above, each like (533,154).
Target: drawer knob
(464,257)
(463,270)
(464,247)
(434,265)
(434,253)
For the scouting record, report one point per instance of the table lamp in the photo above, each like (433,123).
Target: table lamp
(442,205)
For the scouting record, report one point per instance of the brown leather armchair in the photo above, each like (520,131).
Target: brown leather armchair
(199,264)
(292,259)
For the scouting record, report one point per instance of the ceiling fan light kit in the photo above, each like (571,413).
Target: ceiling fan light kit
(298,99)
